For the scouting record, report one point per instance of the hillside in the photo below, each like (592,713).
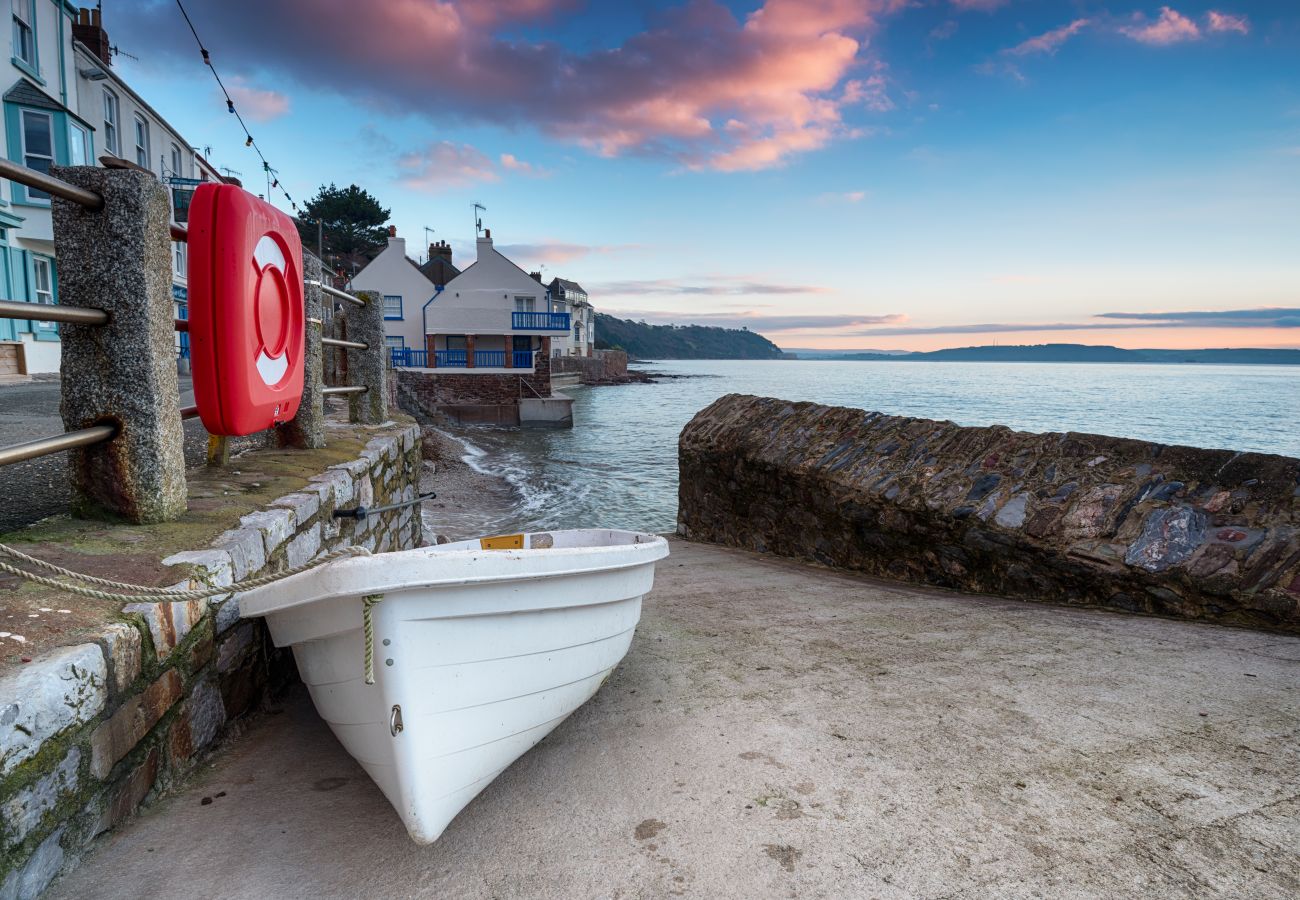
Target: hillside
(681,341)
(1087,353)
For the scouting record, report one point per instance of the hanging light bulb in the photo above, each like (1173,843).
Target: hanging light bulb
(230,104)
(249,142)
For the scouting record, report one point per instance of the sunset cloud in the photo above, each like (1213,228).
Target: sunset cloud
(698,85)
(558,252)
(1171,28)
(1116,321)
(1223,22)
(713,285)
(512,163)
(255,103)
(758,321)
(1049,41)
(443,165)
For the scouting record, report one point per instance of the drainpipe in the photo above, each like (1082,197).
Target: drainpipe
(424,316)
(63,68)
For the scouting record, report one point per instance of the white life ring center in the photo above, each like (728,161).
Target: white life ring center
(271,313)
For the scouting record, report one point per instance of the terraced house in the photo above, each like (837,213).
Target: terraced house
(65,105)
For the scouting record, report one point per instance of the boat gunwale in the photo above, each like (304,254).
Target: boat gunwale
(263,595)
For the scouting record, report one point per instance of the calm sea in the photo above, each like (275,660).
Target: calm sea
(618,465)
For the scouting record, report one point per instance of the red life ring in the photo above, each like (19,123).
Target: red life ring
(246,311)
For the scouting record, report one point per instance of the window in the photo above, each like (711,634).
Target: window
(457,342)
(176,160)
(392,306)
(43,284)
(38,146)
(78,145)
(24,40)
(141,141)
(394,340)
(523,304)
(111,142)
(180,259)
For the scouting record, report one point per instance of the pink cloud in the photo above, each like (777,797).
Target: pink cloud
(698,84)
(869,92)
(255,103)
(1171,28)
(443,165)
(1049,41)
(514,164)
(1222,22)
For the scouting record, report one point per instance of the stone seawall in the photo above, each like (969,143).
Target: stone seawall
(604,367)
(1061,518)
(474,399)
(90,731)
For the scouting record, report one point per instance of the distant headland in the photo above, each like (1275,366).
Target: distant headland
(1069,353)
(643,341)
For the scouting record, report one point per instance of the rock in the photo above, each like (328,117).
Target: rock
(304,505)
(276,525)
(1012,513)
(216,565)
(31,879)
(64,688)
(122,649)
(169,622)
(25,809)
(117,735)
(305,546)
(247,550)
(1169,536)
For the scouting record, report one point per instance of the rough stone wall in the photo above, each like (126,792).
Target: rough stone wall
(368,367)
(90,732)
(1061,518)
(604,366)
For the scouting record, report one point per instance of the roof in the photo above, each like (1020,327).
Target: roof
(439,270)
(24,93)
(565,285)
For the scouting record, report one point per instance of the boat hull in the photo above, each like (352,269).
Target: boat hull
(478,653)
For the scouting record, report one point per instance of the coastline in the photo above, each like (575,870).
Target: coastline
(471,502)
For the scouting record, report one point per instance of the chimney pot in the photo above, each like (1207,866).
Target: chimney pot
(487,233)
(392,231)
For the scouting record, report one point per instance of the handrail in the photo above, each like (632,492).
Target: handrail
(335,292)
(49,184)
(350,389)
(352,345)
(45,446)
(189,412)
(74,315)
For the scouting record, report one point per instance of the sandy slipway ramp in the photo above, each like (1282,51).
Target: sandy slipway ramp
(784,730)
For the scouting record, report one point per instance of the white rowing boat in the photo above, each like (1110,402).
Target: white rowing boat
(479,649)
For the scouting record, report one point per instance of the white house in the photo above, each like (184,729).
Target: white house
(569,296)
(491,317)
(64,105)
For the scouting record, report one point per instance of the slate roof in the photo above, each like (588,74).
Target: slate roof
(567,286)
(24,93)
(438,270)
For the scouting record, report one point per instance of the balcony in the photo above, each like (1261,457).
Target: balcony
(539,321)
(523,359)
(408,358)
(451,359)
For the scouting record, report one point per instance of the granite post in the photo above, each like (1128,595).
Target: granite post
(368,367)
(118,259)
(307,429)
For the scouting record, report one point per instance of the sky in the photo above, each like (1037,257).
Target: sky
(878,174)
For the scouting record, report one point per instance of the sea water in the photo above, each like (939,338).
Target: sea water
(617,467)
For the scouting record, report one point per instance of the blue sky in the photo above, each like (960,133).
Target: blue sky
(880,173)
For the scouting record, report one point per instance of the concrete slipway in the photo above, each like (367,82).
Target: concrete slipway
(779,730)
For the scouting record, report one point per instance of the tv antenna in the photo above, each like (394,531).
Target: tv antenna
(478,220)
(118,51)
(427,231)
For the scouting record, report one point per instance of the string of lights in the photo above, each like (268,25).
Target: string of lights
(273,173)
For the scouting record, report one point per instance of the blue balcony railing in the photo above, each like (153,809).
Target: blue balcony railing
(540,321)
(523,359)
(489,359)
(450,359)
(409,358)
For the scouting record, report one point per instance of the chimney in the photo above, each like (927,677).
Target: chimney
(484,242)
(536,276)
(89,29)
(392,231)
(440,250)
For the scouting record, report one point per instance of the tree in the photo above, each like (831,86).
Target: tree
(352,221)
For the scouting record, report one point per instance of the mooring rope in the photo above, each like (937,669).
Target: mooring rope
(368,627)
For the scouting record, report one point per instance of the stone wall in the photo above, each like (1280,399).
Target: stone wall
(1061,518)
(91,731)
(473,399)
(604,367)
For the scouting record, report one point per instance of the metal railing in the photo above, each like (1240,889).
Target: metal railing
(523,359)
(489,359)
(539,321)
(451,359)
(408,358)
(75,315)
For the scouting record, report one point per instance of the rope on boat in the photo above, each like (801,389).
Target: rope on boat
(133,593)
(368,626)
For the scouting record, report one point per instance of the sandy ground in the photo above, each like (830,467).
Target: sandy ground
(469,503)
(782,730)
